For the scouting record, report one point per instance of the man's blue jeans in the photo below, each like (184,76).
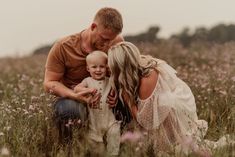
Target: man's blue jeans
(65,110)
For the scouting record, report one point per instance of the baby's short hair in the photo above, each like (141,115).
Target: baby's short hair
(96,54)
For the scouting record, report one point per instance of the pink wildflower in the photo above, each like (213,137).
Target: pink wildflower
(131,136)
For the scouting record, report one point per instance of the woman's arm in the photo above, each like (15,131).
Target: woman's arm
(148,84)
(132,107)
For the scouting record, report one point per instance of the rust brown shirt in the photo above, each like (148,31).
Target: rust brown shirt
(67,58)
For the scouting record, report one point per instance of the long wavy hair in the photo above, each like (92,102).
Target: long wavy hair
(127,66)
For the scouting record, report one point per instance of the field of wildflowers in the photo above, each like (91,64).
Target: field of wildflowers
(26,128)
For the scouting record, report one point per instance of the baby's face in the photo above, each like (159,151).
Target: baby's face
(97,68)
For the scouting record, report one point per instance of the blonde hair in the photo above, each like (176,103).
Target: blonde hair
(96,55)
(127,67)
(110,18)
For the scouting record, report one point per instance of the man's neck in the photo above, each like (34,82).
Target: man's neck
(86,41)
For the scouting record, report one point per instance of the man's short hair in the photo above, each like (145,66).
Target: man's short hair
(110,18)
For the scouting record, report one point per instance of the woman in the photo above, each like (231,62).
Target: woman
(159,101)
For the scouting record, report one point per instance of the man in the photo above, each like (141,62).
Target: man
(66,67)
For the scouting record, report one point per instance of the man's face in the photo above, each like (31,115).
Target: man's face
(101,38)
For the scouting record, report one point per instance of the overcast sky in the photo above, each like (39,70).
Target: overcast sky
(28,24)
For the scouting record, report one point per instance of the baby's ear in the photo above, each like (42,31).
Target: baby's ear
(87,68)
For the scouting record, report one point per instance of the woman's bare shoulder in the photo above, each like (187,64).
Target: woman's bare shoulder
(148,84)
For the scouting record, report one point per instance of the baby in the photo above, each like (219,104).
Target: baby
(102,122)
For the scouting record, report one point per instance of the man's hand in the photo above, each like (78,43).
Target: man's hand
(112,98)
(89,95)
(85,95)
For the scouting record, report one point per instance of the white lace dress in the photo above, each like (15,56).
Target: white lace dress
(169,113)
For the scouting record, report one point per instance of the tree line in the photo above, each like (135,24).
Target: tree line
(220,33)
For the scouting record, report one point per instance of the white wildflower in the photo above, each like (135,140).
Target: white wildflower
(5,152)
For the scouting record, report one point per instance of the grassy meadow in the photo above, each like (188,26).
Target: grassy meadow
(26,128)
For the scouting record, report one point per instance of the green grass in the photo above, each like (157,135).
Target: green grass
(25,110)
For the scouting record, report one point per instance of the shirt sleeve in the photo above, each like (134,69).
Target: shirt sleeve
(85,82)
(55,59)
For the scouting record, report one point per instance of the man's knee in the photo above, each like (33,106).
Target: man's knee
(70,109)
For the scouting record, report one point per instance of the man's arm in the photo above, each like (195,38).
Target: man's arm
(53,85)
(81,86)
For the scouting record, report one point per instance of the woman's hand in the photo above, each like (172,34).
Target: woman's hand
(95,101)
(112,98)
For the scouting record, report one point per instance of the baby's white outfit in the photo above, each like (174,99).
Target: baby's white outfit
(102,122)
